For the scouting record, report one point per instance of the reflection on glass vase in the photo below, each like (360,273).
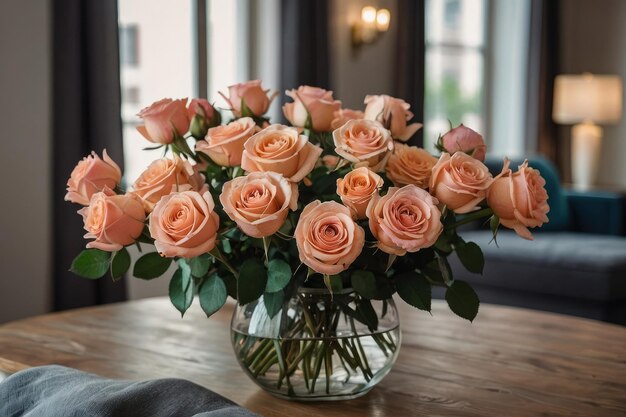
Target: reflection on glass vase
(320,346)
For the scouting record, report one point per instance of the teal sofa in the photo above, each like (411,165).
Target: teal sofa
(576,264)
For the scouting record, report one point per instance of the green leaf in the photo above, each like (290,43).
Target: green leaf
(91,263)
(151,265)
(494,223)
(366,314)
(414,289)
(181,291)
(273,302)
(278,275)
(120,262)
(462,300)
(251,281)
(200,265)
(370,286)
(212,294)
(443,244)
(471,256)
(333,283)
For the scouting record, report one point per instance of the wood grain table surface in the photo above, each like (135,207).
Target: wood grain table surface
(509,362)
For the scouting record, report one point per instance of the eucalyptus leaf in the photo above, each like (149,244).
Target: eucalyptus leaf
(414,289)
(251,281)
(273,302)
(181,292)
(212,294)
(200,265)
(120,262)
(91,263)
(278,275)
(462,300)
(151,265)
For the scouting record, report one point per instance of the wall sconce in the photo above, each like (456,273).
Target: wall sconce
(371,25)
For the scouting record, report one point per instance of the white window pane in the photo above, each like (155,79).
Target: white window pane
(457,22)
(454,90)
(156,61)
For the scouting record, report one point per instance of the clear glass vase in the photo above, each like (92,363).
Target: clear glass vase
(320,346)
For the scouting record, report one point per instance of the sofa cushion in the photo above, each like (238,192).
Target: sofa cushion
(560,215)
(568,264)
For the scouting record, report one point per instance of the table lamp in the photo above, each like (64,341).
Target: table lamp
(584,100)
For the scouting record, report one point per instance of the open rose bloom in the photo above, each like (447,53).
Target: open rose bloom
(335,199)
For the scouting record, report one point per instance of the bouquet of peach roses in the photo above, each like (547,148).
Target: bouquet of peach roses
(256,211)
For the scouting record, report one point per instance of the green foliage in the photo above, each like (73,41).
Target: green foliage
(462,300)
(471,256)
(278,275)
(273,302)
(200,265)
(91,263)
(181,290)
(366,314)
(333,283)
(251,281)
(212,294)
(371,286)
(151,265)
(414,289)
(120,262)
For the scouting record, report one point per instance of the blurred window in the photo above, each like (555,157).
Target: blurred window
(455,66)
(129,45)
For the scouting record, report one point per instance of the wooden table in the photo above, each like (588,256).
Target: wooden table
(510,362)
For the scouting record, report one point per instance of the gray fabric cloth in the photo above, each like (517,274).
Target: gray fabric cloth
(57,391)
(583,266)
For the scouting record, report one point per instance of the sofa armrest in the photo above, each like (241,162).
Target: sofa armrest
(598,212)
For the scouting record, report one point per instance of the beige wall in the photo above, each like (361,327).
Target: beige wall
(593,39)
(370,70)
(25,218)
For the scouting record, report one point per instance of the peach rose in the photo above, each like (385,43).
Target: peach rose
(341,116)
(314,102)
(519,199)
(328,239)
(460,182)
(90,176)
(114,221)
(251,94)
(259,202)
(410,165)
(404,220)
(184,224)
(357,188)
(203,116)
(165,176)
(280,149)
(466,140)
(393,113)
(364,142)
(224,144)
(163,120)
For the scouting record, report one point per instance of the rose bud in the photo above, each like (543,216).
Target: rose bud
(519,199)
(224,144)
(364,142)
(341,116)
(410,165)
(404,220)
(259,202)
(203,116)
(184,224)
(165,176)
(280,149)
(250,94)
(90,176)
(466,140)
(328,239)
(164,120)
(357,188)
(313,102)
(460,182)
(114,221)
(393,113)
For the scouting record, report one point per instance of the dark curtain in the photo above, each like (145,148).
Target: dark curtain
(304,44)
(86,117)
(543,67)
(410,57)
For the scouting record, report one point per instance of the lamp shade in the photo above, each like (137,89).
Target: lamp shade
(587,97)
